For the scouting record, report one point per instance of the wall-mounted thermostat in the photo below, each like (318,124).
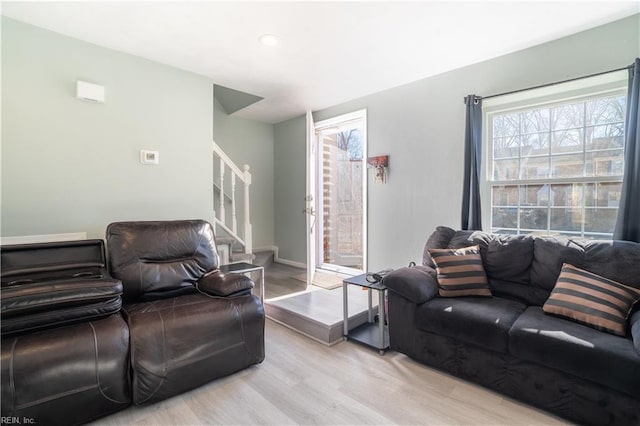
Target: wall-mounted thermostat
(149,157)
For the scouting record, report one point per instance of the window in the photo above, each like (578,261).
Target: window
(556,167)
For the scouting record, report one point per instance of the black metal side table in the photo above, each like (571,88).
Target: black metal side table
(369,333)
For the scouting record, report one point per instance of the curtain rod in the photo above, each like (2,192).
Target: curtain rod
(552,84)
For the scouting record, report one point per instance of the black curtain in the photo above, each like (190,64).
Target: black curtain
(628,221)
(471,217)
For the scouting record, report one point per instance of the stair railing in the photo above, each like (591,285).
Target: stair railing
(230,224)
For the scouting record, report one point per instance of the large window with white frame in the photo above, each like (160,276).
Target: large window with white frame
(555,167)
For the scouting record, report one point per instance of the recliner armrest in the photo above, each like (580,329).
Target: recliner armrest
(40,305)
(225,285)
(417,284)
(635,329)
(30,298)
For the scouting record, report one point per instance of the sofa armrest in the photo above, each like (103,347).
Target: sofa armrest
(35,297)
(634,321)
(32,306)
(225,285)
(417,284)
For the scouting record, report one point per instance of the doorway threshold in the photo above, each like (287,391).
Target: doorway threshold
(318,313)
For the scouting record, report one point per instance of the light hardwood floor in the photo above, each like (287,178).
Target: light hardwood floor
(279,280)
(304,382)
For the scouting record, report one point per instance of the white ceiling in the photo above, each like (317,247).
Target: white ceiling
(329,52)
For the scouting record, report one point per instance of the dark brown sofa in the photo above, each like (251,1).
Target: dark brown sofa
(189,323)
(79,342)
(507,343)
(65,347)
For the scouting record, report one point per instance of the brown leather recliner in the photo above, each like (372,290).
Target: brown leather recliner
(65,347)
(189,323)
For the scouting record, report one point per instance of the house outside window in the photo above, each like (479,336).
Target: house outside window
(555,166)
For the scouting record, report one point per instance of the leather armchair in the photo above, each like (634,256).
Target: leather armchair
(189,323)
(65,347)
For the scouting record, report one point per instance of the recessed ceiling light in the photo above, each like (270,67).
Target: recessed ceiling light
(269,40)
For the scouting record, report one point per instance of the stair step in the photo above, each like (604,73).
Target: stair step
(225,241)
(263,258)
(241,257)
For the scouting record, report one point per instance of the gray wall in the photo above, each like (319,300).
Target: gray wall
(420,125)
(251,142)
(290,187)
(70,165)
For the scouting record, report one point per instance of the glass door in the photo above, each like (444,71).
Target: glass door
(341,193)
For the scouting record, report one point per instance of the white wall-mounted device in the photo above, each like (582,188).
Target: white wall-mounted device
(90,92)
(149,157)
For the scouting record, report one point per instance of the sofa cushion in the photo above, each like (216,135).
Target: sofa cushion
(593,300)
(67,375)
(481,321)
(506,260)
(576,349)
(160,258)
(460,272)
(438,239)
(505,257)
(616,260)
(38,262)
(184,342)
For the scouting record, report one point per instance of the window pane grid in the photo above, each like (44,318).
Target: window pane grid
(558,169)
(585,209)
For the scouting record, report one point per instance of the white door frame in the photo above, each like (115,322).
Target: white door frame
(310,202)
(316,245)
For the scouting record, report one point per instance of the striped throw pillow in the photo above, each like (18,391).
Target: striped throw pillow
(593,300)
(460,272)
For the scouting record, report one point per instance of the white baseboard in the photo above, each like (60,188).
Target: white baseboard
(278,259)
(47,238)
(264,248)
(291,263)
